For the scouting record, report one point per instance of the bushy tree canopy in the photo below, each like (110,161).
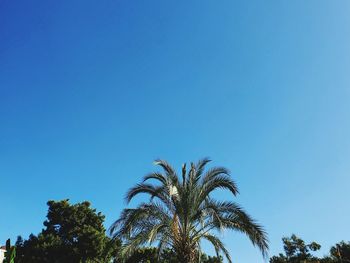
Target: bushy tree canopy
(72,233)
(340,253)
(297,251)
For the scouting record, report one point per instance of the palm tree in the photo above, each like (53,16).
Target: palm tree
(181,213)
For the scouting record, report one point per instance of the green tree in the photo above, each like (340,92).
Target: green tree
(296,251)
(340,252)
(10,253)
(182,212)
(72,233)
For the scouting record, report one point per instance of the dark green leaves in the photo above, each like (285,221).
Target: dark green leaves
(72,233)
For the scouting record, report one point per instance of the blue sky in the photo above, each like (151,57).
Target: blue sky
(91,92)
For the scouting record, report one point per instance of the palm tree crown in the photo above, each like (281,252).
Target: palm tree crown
(181,212)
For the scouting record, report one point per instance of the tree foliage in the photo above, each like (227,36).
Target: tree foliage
(72,233)
(10,253)
(340,252)
(181,212)
(297,251)
(151,255)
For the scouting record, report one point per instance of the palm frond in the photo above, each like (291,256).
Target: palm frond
(166,166)
(143,188)
(237,219)
(156,176)
(200,165)
(218,246)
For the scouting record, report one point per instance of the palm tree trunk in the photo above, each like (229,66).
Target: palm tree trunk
(186,254)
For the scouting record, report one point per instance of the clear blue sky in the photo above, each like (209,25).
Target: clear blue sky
(91,92)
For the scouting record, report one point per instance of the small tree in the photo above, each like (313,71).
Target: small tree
(296,251)
(10,253)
